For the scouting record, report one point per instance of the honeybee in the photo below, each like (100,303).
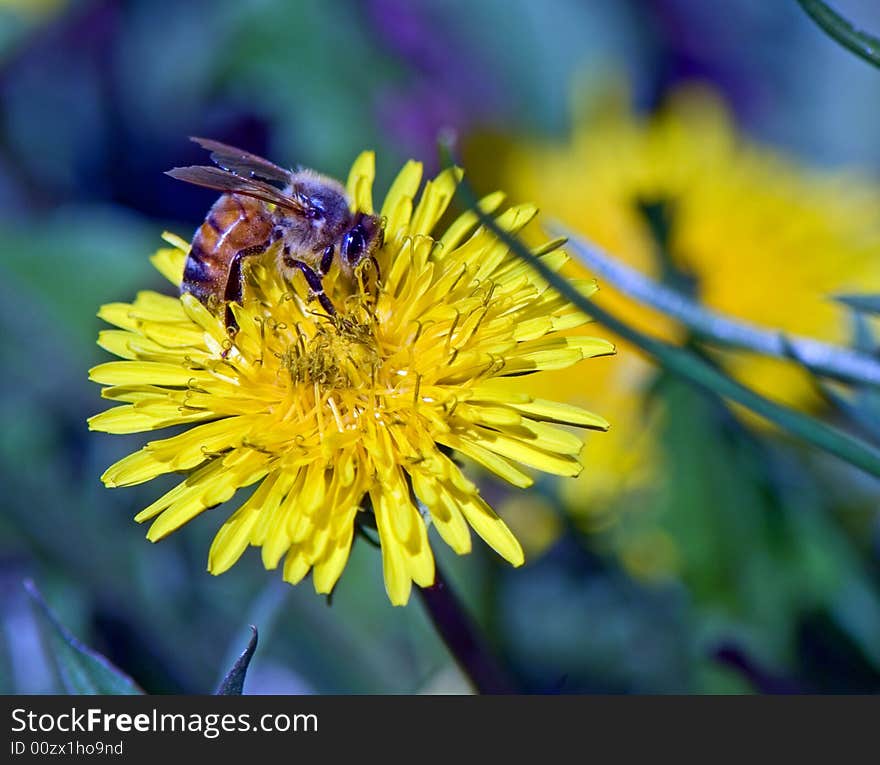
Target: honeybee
(262,204)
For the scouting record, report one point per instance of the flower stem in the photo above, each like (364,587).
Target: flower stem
(463,639)
(824,359)
(865,45)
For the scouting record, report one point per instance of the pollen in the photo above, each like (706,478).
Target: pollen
(340,355)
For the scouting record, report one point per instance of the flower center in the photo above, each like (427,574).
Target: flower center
(341,354)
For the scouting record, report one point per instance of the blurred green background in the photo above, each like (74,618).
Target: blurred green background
(96,101)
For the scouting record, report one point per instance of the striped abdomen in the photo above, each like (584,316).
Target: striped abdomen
(234,224)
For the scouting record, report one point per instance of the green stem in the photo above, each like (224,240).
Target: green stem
(861,43)
(820,358)
(463,639)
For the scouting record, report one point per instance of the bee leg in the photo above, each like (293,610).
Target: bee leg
(235,281)
(326,260)
(313,279)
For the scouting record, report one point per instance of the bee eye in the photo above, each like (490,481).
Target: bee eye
(354,244)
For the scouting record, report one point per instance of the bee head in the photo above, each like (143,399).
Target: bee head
(362,239)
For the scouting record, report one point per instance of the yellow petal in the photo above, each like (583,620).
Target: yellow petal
(149,372)
(494,463)
(285,481)
(133,419)
(545,436)
(397,208)
(154,306)
(555,353)
(493,416)
(398,582)
(193,446)
(435,199)
(177,335)
(118,314)
(170,263)
(314,490)
(116,341)
(420,559)
(360,182)
(134,393)
(445,515)
(328,570)
(565,414)
(403,516)
(525,452)
(490,527)
(175,241)
(134,469)
(295,567)
(197,313)
(465,223)
(232,539)
(205,494)
(278,540)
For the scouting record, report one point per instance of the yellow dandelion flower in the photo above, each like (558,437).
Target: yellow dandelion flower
(348,419)
(760,236)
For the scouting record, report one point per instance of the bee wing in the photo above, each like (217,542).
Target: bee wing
(222,180)
(242,162)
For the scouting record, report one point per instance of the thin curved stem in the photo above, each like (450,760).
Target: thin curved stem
(861,43)
(821,358)
(463,639)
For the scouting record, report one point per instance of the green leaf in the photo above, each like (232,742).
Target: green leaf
(81,670)
(861,43)
(691,367)
(863,303)
(684,362)
(233,683)
(863,339)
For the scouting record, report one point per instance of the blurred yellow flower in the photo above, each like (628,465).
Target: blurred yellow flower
(349,419)
(755,234)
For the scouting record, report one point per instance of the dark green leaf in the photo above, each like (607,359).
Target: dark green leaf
(233,683)
(863,303)
(81,670)
(862,410)
(863,339)
(861,43)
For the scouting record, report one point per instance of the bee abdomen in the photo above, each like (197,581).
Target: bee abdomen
(203,274)
(233,224)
